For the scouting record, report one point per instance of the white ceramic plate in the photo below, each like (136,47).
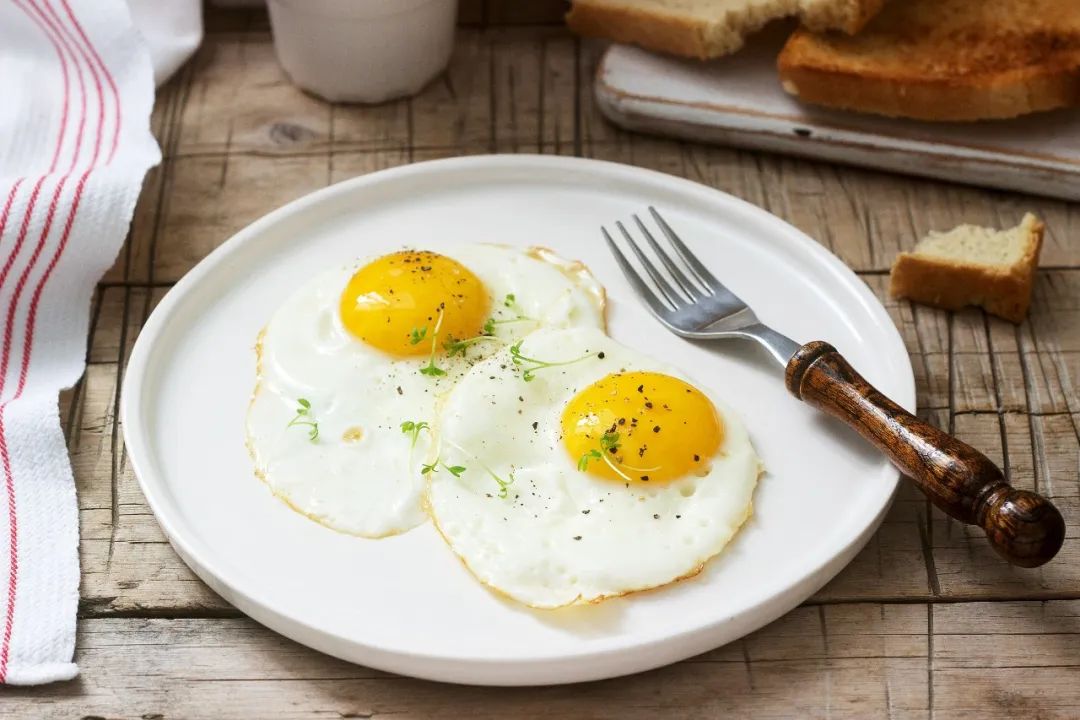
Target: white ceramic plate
(405,604)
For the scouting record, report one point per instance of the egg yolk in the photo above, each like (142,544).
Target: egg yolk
(646,427)
(403,302)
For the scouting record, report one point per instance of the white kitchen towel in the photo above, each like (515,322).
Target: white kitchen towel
(75,144)
(172,30)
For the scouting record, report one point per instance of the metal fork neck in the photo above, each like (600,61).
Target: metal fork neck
(779,347)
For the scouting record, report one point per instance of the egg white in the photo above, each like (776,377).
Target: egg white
(361,475)
(558,536)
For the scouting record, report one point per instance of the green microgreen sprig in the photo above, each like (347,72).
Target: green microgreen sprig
(609,443)
(304,418)
(433,467)
(510,302)
(531,365)
(609,448)
(431,369)
(453,346)
(413,429)
(491,323)
(503,483)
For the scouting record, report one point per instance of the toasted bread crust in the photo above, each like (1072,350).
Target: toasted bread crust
(850,16)
(941,101)
(667,32)
(637,26)
(944,60)
(948,284)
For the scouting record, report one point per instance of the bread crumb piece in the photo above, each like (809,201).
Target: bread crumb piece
(970,265)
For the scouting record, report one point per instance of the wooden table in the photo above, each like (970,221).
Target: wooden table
(926,622)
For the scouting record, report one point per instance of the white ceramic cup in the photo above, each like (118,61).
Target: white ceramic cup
(365,51)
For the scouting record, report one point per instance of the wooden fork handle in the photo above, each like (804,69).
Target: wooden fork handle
(1024,527)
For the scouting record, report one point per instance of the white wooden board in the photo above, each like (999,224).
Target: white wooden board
(738,101)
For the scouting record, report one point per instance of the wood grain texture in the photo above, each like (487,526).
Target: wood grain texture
(926,619)
(846,661)
(985,660)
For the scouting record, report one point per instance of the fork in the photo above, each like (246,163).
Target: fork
(1022,526)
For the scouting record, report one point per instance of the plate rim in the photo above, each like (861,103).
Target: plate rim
(519,670)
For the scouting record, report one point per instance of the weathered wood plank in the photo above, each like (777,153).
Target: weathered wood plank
(212,197)
(241,101)
(120,314)
(533,92)
(456,111)
(1006,660)
(993,660)
(1050,344)
(925,331)
(369,128)
(973,382)
(846,662)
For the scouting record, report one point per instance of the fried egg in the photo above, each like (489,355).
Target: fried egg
(352,363)
(585,470)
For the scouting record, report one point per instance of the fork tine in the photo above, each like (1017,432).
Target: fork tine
(666,290)
(680,278)
(640,286)
(699,271)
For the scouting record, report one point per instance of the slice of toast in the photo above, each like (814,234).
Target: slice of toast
(707,28)
(946,60)
(971,265)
